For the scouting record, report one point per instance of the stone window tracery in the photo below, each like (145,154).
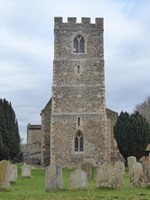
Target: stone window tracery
(79,44)
(79,142)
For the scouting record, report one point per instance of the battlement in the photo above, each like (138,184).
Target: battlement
(73,20)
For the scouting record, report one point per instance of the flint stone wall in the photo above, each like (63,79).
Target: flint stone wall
(78,92)
(45,127)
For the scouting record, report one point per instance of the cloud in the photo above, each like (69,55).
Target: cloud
(27,45)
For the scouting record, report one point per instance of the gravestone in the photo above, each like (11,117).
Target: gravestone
(109,176)
(13,173)
(54,178)
(118,179)
(26,170)
(136,175)
(120,165)
(88,168)
(146,172)
(105,175)
(131,160)
(78,179)
(59,177)
(4,174)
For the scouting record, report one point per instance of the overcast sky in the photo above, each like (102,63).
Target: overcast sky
(26,52)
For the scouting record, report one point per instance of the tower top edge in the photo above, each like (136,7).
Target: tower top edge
(73,20)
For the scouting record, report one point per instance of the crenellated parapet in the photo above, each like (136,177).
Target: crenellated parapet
(85,22)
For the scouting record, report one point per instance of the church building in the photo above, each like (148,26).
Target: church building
(76,125)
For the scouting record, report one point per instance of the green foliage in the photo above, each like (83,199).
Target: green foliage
(132,133)
(9,132)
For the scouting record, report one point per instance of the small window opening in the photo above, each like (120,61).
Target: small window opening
(78,69)
(78,121)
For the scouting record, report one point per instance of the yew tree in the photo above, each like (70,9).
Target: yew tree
(132,133)
(9,132)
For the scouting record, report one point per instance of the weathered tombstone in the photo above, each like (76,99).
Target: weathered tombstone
(26,170)
(88,168)
(59,177)
(118,180)
(54,178)
(146,172)
(136,175)
(120,165)
(78,179)
(105,176)
(131,160)
(4,174)
(109,176)
(13,173)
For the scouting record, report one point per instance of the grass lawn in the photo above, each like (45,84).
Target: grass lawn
(34,189)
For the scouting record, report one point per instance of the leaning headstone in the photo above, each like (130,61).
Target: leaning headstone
(136,175)
(146,172)
(54,178)
(13,173)
(26,170)
(131,160)
(105,176)
(78,179)
(120,165)
(88,168)
(4,174)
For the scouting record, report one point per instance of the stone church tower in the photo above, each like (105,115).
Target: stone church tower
(76,125)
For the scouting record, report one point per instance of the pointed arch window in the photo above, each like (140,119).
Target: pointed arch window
(79,142)
(79,44)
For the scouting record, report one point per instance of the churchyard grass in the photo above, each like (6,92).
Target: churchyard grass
(34,189)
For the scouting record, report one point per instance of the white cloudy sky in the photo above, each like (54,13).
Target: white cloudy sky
(26,51)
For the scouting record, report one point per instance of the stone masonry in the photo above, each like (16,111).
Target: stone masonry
(32,150)
(76,125)
(33,133)
(45,127)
